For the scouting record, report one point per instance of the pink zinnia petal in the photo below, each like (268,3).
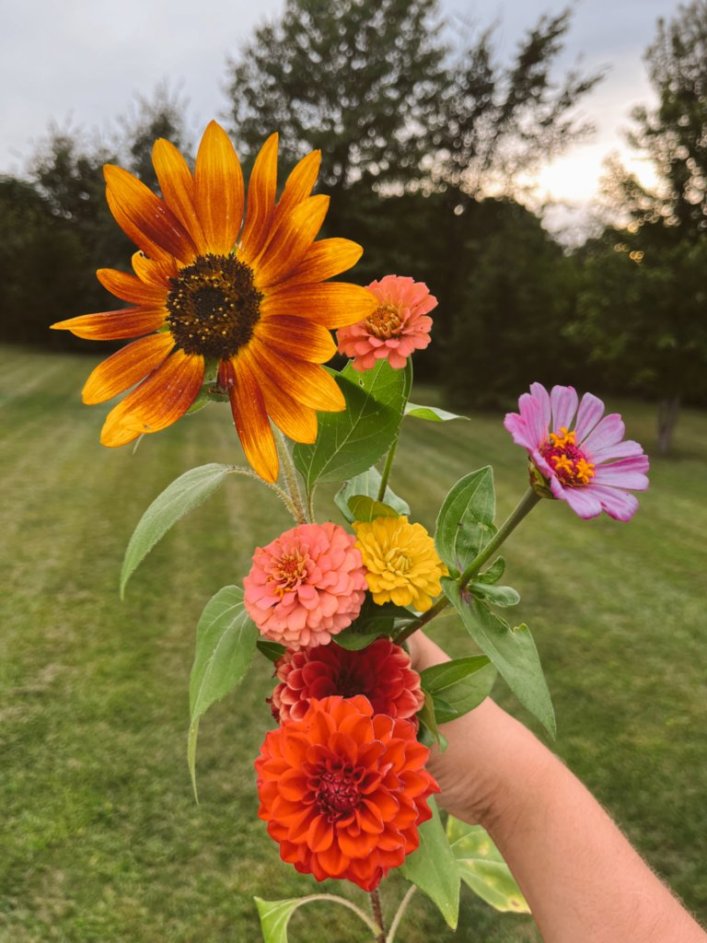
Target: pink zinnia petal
(610,431)
(591,409)
(563,402)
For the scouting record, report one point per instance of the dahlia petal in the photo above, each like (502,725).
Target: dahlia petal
(332,304)
(126,367)
(159,401)
(129,288)
(114,325)
(261,201)
(621,505)
(249,415)
(591,409)
(302,339)
(294,235)
(218,190)
(320,835)
(177,186)
(609,431)
(145,218)
(325,259)
(308,383)
(334,861)
(563,403)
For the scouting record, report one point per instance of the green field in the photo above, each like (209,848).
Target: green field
(100,838)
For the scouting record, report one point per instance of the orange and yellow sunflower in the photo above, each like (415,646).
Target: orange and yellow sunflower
(223,278)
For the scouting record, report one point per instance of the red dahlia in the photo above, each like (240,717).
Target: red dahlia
(382,672)
(344,790)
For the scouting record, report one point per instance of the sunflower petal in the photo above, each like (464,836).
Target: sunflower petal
(158,402)
(296,421)
(332,304)
(250,415)
(300,183)
(157,272)
(177,188)
(218,189)
(261,200)
(126,367)
(144,217)
(114,325)
(307,383)
(302,339)
(325,259)
(129,288)
(293,237)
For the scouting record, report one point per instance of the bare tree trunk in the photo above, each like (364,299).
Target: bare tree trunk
(668,412)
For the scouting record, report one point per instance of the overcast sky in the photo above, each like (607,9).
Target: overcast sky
(80,63)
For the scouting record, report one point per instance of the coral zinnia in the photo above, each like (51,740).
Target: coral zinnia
(381,671)
(343,790)
(306,585)
(214,286)
(395,329)
(401,562)
(582,457)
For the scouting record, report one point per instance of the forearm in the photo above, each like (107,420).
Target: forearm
(581,877)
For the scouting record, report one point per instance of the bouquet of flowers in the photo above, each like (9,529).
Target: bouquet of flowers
(230,300)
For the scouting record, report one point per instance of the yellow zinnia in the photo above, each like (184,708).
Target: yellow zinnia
(223,279)
(401,562)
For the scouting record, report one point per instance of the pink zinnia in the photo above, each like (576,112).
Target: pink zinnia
(582,457)
(398,326)
(382,672)
(305,586)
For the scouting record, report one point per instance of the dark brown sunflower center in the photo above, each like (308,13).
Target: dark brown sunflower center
(213,306)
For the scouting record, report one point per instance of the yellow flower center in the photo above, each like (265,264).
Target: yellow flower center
(385,322)
(567,459)
(288,572)
(213,306)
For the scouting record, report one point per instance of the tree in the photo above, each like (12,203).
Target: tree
(644,303)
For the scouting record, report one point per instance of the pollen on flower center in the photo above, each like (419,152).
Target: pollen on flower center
(289,571)
(213,306)
(568,461)
(385,322)
(337,792)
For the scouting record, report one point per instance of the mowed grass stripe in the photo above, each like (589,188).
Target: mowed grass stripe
(101,838)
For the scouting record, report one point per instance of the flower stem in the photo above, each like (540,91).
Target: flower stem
(400,914)
(344,903)
(378,916)
(525,505)
(389,459)
(290,479)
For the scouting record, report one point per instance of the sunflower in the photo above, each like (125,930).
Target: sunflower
(221,279)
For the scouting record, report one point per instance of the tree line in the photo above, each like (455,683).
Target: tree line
(425,133)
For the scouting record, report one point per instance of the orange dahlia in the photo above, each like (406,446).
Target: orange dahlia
(382,672)
(344,790)
(228,280)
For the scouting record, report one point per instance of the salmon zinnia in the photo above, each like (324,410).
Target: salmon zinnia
(221,279)
(344,790)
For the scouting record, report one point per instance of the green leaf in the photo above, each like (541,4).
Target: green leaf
(272,650)
(366,509)
(512,651)
(431,413)
(275,916)
(432,867)
(349,442)
(458,686)
(367,484)
(465,520)
(225,645)
(483,869)
(428,722)
(185,493)
(372,622)
(494,572)
(498,595)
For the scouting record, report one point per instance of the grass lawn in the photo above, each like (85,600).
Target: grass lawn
(100,837)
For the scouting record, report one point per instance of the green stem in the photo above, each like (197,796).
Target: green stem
(389,459)
(344,903)
(280,492)
(290,477)
(525,506)
(400,914)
